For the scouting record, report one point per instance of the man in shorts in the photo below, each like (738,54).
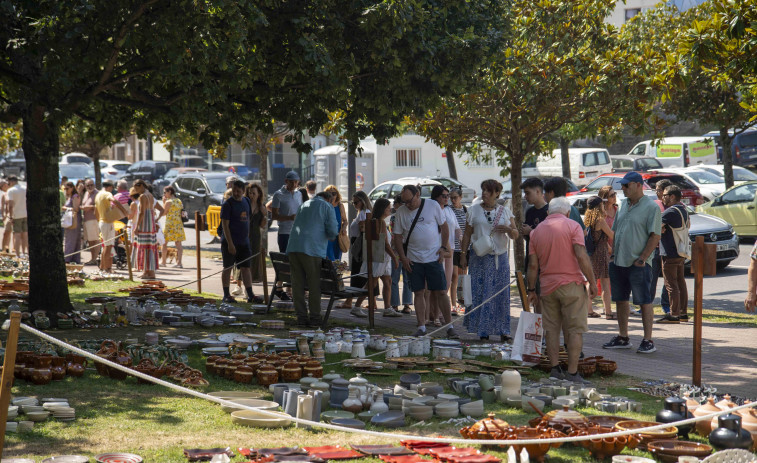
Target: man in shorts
(108,211)
(18,217)
(91,229)
(426,245)
(556,254)
(637,230)
(235,241)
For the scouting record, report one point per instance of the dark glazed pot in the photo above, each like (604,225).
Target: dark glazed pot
(675,410)
(729,434)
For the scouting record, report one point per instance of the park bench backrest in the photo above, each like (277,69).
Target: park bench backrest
(330,281)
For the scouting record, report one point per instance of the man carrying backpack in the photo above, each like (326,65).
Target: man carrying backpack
(675,247)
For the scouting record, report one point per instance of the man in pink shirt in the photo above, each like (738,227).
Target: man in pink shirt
(556,254)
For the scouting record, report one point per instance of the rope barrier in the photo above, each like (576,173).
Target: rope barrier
(216,273)
(333,427)
(92,247)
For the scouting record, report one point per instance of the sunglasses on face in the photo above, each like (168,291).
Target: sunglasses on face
(444,196)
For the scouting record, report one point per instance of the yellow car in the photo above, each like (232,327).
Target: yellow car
(737,206)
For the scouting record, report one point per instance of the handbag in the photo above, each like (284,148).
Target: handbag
(589,241)
(67,218)
(485,244)
(356,249)
(527,341)
(344,242)
(184,216)
(682,238)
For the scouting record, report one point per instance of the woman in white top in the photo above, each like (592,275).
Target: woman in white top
(490,272)
(363,205)
(440,194)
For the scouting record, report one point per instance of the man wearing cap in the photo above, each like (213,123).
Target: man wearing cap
(284,205)
(637,230)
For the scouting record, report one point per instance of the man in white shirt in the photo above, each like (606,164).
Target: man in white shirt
(17,213)
(422,249)
(4,214)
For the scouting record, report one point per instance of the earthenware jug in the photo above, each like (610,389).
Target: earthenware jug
(75,365)
(291,372)
(304,409)
(392,348)
(675,410)
(729,434)
(58,368)
(353,403)
(267,375)
(378,405)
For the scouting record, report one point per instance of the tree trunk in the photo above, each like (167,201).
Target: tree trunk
(48,288)
(98,173)
(726,139)
(351,172)
(565,155)
(262,150)
(516,177)
(451,164)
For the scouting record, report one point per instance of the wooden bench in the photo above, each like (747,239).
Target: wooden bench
(332,284)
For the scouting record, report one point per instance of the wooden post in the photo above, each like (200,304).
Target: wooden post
(370,237)
(696,374)
(198,227)
(522,290)
(127,244)
(261,263)
(7,379)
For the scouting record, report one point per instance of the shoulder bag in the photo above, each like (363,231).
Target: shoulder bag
(412,227)
(589,241)
(682,238)
(67,219)
(485,244)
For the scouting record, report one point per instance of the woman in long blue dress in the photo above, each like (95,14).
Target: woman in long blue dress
(333,251)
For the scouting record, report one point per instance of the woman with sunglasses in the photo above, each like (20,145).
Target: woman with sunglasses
(72,234)
(610,209)
(362,203)
(601,234)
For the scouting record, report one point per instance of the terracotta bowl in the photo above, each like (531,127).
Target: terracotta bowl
(669,433)
(537,452)
(606,420)
(670,450)
(605,447)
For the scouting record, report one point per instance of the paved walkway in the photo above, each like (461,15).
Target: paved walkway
(729,352)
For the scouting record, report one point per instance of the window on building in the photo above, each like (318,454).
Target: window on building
(631,12)
(407,157)
(481,161)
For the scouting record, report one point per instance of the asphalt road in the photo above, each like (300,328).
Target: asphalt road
(726,291)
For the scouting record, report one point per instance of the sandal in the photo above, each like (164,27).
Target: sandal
(611,316)
(406,309)
(594,315)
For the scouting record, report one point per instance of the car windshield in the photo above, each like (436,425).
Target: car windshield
(705,178)
(426,191)
(448,182)
(76,170)
(172,173)
(743,175)
(216,185)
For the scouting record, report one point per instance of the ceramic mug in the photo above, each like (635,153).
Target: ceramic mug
(489,396)
(460,385)
(473,390)
(486,382)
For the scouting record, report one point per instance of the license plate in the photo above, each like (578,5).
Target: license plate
(722,247)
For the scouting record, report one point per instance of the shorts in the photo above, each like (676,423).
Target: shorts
(20,225)
(565,308)
(456,257)
(91,231)
(633,279)
(243,252)
(429,275)
(107,232)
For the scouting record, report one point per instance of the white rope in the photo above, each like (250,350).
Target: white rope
(93,246)
(443,327)
(216,273)
(272,414)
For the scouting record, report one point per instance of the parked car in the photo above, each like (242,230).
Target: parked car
(148,171)
(13,163)
(191,160)
(169,177)
(76,171)
(244,171)
(629,164)
(740,175)
(113,170)
(71,158)
(585,164)
(392,188)
(198,190)
(468,193)
(678,151)
(690,192)
(743,146)
(738,207)
(709,184)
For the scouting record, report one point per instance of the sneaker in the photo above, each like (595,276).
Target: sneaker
(669,320)
(391,313)
(229,299)
(617,343)
(575,378)
(419,333)
(646,347)
(557,373)
(684,318)
(452,334)
(635,312)
(237,291)
(358,312)
(255,300)
(453,312)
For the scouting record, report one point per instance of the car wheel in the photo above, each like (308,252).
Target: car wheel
(722,265)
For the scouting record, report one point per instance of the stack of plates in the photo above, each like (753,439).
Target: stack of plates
(25,401)
(67,459)
(60,410)
(272,324)
(12,411)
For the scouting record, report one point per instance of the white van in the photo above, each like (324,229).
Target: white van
(585,164)
(679,151)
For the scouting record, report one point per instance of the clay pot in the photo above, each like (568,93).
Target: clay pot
(725,403)
(123,359)
(488,428)
(730,434)
(22,358)
(536,452)
(210,364)
(704,427)
(43,361)
(40,376)
(108,350)
(75,365)
(219,366)
(231,367)
(675,410)
(58,368)
(253,363)
(608,447)
(243,374)
(749,422)
(291,372)
(352,403)
(314,368)
(267,375)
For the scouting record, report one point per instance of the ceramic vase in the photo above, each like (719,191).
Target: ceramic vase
(730,434)
(304,409)
(704,427)
(358,349)
(352,403)
(378,405)
(675,410)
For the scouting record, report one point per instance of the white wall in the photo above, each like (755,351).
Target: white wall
(432,162)
(618,17)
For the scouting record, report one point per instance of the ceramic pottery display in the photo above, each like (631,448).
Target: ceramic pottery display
(675,410)
(730,434)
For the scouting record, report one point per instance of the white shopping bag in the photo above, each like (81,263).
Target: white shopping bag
(467,293)
(528,338)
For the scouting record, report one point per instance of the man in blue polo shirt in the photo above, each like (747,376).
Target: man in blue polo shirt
(637,230)
(235,240)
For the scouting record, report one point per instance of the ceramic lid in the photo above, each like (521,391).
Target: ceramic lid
(358,381)
(331,376)
(340,382)
(320,385)
(308,380)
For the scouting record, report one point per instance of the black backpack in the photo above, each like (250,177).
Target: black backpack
(589,241)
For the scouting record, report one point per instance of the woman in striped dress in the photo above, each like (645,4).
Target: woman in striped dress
(456,197)
(146,231)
